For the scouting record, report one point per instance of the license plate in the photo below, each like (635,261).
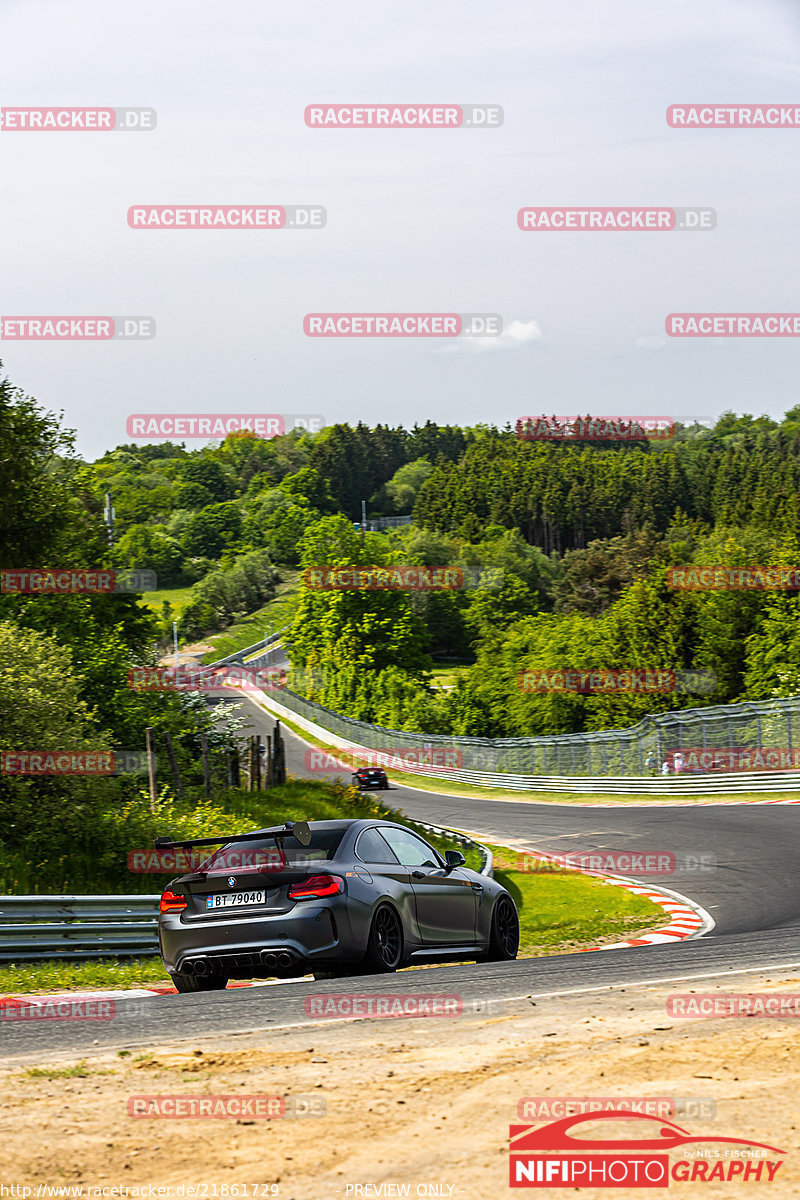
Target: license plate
(234,899)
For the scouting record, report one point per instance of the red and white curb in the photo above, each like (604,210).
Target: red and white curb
(686,918)
(18,1001)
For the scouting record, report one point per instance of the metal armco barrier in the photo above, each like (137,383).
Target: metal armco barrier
(608,761)
(74,927)
(702,785)
(487,858)
(61,927)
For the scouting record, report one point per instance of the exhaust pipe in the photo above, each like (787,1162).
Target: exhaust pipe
(269,960)
(284,959)
(200,966)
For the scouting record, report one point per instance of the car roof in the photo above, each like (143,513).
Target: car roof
(345,823)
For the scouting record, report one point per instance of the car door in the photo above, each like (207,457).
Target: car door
(390,876)
(445,900)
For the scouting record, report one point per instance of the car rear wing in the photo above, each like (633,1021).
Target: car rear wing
(292,829)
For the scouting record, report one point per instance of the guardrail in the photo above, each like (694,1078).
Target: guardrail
(240,655)
(70,927)
(668,785)
(612,761)
(660,785)
(75,927)
(487,858)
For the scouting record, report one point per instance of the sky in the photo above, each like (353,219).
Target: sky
(418,220)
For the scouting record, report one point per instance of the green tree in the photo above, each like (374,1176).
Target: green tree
(210,475)
(213,530)
(40,514)
(148,548)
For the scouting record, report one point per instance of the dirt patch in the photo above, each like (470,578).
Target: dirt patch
(421,1103)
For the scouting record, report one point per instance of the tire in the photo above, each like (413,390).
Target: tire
(199,983)
(504,937)
(384,787)
(385,944)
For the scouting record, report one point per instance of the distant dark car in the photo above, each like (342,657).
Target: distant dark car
(371,777)
(331,897)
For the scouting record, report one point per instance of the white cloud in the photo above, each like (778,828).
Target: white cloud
(651,341)
(516,334)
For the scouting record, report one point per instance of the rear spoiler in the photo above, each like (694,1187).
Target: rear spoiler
(295,829)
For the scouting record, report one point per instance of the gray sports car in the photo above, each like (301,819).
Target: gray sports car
(331,897)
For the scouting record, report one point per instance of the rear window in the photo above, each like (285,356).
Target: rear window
(266,853)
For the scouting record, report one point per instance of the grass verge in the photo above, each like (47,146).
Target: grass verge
(177,597)
(277,612)
(54,976)
(563,911)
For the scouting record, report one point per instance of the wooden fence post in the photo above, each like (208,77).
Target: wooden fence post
(173,762)
(206,765)
(151,766)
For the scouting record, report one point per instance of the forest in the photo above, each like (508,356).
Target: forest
(570,550)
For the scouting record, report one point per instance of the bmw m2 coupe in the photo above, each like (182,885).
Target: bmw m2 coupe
(328,897)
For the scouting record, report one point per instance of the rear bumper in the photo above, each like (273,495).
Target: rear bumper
(248,947)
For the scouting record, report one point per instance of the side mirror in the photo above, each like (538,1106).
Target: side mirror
(454,858)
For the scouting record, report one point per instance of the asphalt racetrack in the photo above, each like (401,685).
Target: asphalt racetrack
(739,862)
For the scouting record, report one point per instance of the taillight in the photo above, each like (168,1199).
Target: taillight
(172,902)
(316,887)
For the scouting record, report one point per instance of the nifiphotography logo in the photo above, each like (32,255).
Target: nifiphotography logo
(556,1155)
